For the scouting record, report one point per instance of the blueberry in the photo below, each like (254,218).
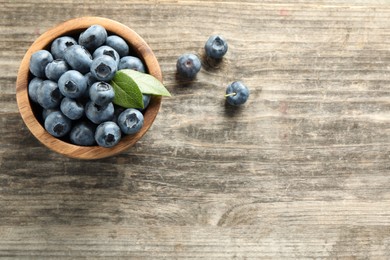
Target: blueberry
(131,62)
(90,79)
(57,124)
(83,134)
(216,47)
(78,58)
(71,108)
(72,84)
(101,93)
(146,100)
(236,93)
(118,44)
(33,87)
(107,134)
(188,65)
(38,62)
(60,44)
(93,37)
(49,95)
(103,68)
(106,50)
(98,114)
(46,112)
(130,121)
(55,69)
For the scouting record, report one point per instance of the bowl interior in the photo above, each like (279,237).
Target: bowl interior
(31,113)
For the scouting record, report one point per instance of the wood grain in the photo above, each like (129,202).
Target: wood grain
(301,171)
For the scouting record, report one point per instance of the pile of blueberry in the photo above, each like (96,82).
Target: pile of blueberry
(188,65)
(70,84)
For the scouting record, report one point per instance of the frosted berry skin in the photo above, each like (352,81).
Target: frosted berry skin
(237,93)
(101,93)
(106,50)
(72,84)
(130,121)
(71,108)
(38,62)
(49,95)
(55,69)
(108,134)
(188,65)
(103,68)
(131,62)
(118,44)
(33,86)
(93,37)
(83,134)
(216,47)
(57,124)
(59,46)
(78,58)
(98,114)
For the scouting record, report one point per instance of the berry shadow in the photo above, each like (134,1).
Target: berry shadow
(232,111)
(211,64)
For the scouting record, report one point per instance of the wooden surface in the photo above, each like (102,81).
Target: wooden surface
(301,171)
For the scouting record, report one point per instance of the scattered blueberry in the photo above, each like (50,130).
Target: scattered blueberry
(49,95)
(78,58)
(59,45)
(131,62)
(83,134)
(216,47)
(38,62)
(57,124)
(98,114)
(101,93)
(188,65)
(107,134)
(55,69)
(33,87)
(106,50)
(103,68)
(236,93)
(93,37)
(72,84)
(118,44)
(130,121)
(71,108)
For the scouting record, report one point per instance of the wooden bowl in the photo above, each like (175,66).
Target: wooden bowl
(72,27)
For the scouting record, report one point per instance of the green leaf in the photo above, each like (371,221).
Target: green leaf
(127,92)
(146,83)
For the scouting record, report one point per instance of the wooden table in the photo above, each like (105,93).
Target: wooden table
(302,170)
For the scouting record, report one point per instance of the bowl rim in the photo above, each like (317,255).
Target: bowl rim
(136,43)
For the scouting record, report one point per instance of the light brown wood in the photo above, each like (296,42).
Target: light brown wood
(75,26)
(301,171)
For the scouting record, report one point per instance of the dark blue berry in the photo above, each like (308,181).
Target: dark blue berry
(107,134)
(106,50)
(49,95)
(188,65)
(216,47)
(71,108)
(57,124)
(131,62)
(130,121)
(236,93)
(33,87)
(38,62)
(72,84)
(55,69)
(93,37)
(101,93)
(78,58)
(119,44)
(98,114)
(60,44)
(103,68)
(83,134)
